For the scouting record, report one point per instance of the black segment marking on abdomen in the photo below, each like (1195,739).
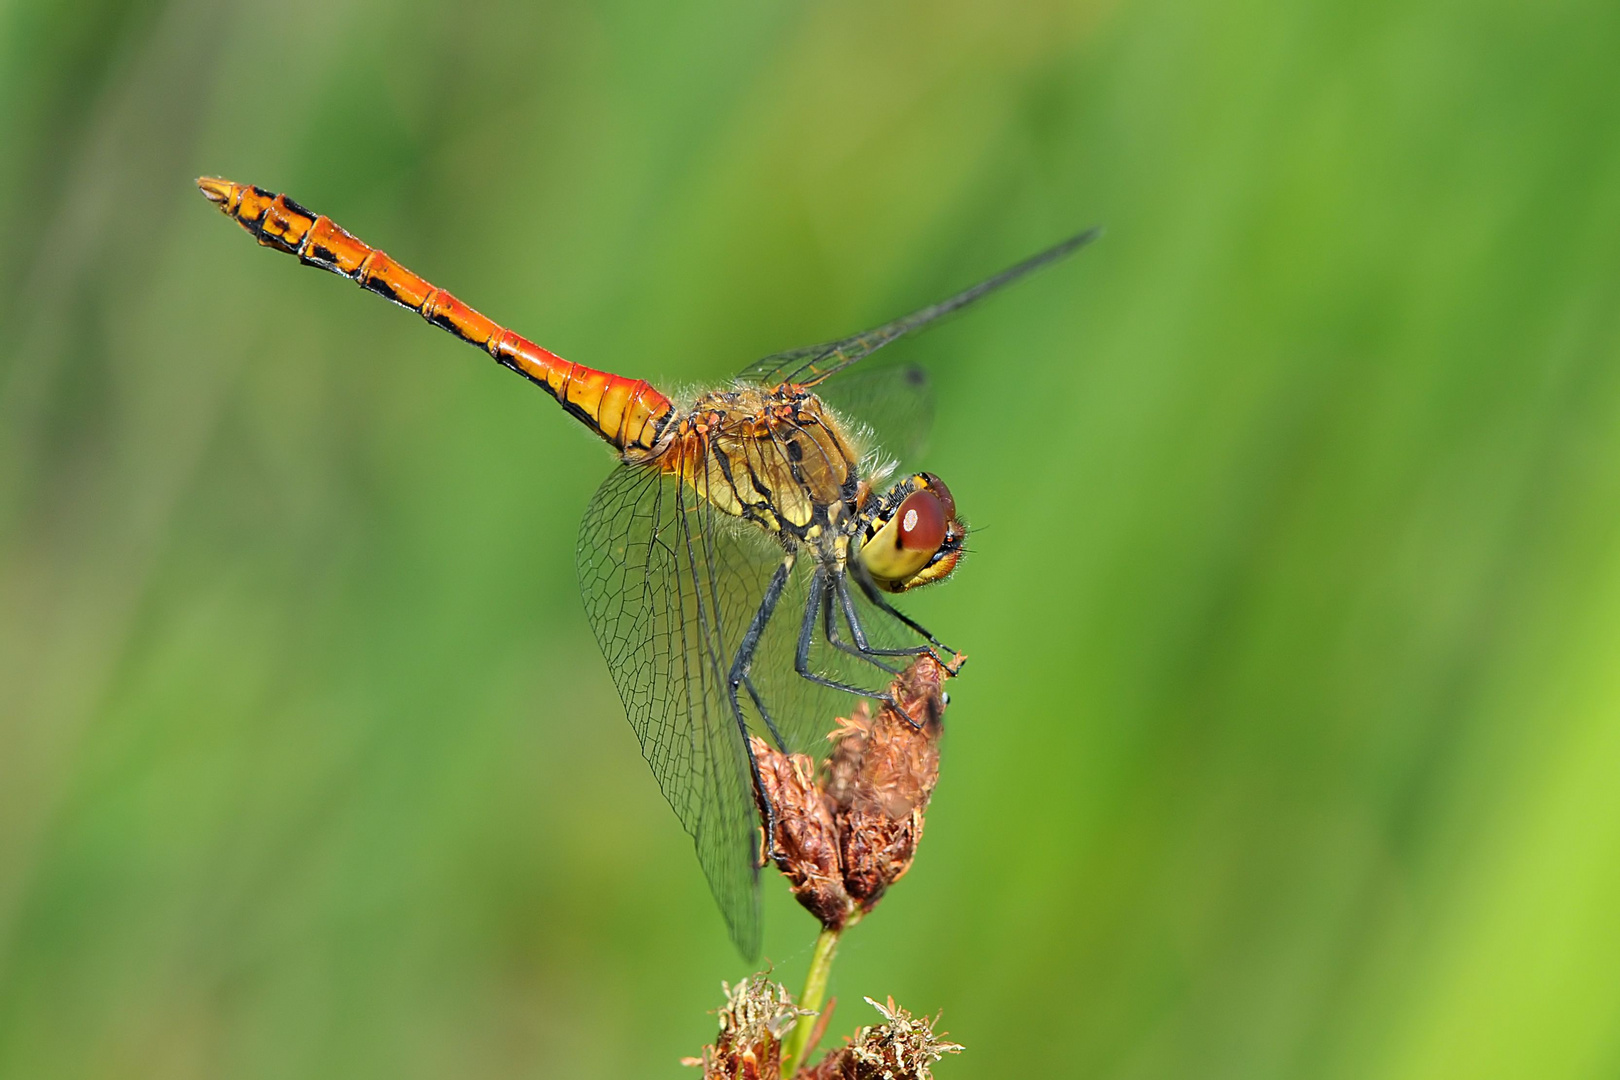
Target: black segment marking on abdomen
(384,288)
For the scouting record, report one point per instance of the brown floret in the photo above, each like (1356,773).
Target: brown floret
(903,1047)
(847,830)
(756,1015)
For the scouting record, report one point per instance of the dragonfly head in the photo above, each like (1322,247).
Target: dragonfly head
(911,536)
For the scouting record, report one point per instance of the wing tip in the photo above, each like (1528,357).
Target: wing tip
(1074,243)
(1087,235)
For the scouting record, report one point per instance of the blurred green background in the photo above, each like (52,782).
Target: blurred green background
(1291,742)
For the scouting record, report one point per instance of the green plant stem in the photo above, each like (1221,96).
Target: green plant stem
(815,991)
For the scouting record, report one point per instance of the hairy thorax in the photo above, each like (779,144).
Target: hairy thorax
(774,457)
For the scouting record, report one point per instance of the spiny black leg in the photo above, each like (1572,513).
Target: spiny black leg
(870,591)
(738,674)
(807,633)
(829,618)
(770,725)
(766,806)
(750,642)
(859,631)
(860,636)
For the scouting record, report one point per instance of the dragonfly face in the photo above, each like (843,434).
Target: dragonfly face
(911,536)
(735,566)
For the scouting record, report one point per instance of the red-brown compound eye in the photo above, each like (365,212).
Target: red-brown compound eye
(937,486)
(922,522)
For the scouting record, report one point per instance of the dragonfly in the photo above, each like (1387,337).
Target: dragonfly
(737,565)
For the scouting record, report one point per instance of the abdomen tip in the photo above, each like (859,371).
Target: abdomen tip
(215,189)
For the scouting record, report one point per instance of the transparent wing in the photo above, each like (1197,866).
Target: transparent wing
(671,586)
(803,711)
(811,364)
(669,591)
(894,402)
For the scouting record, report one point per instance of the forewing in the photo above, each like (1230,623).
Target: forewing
(669,591)
(893,402)
(812,364)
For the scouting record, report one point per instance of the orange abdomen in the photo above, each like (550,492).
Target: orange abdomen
(626,412)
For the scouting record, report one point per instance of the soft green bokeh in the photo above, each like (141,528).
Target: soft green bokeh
(1290,746)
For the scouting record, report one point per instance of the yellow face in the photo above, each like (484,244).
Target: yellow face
(914,537)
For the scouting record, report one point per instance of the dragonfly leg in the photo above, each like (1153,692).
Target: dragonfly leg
(770,725)
(870,591)
(739,676)
(829,619)
(767,808)
(860,638)
(859,631)
(807,634)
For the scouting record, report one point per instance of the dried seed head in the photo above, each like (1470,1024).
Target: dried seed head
(881,776)
(901,1048)
(806,841)
(756,1015)
(845,832)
